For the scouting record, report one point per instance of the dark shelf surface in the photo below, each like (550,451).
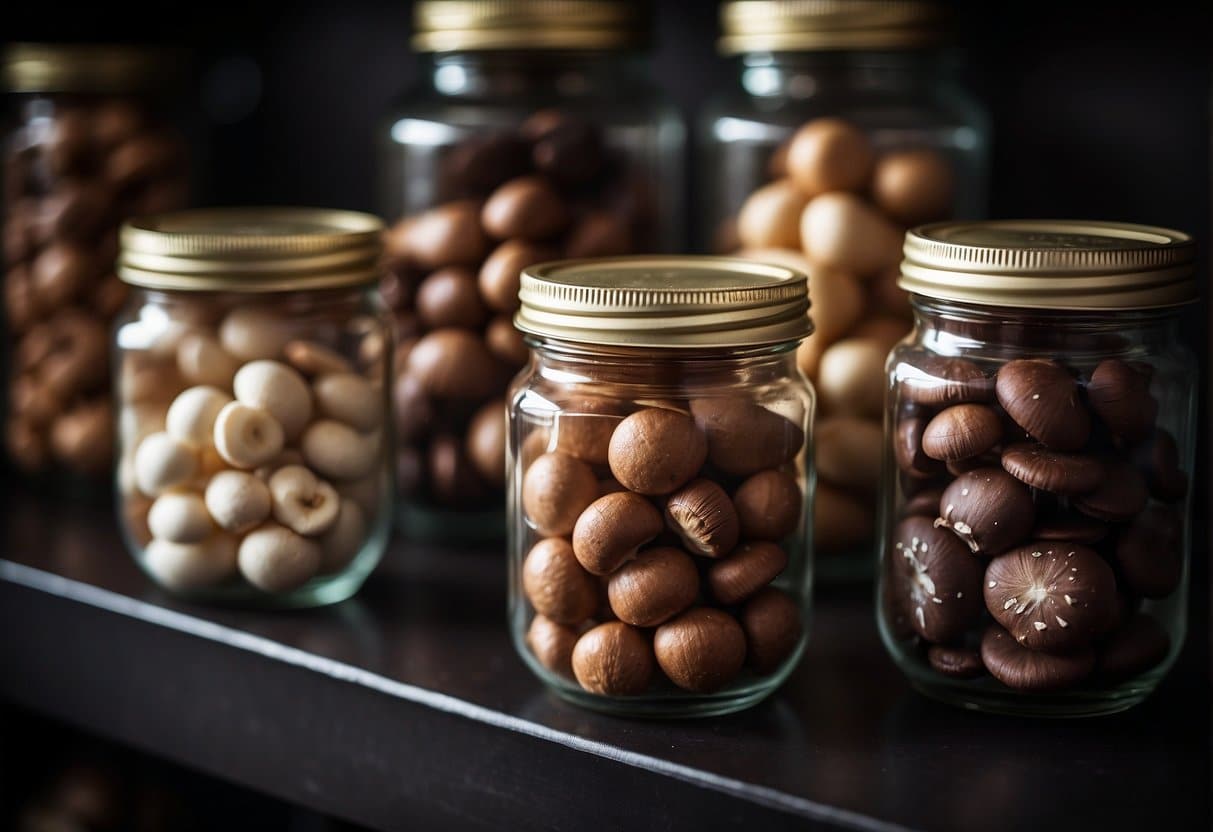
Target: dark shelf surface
(407,707)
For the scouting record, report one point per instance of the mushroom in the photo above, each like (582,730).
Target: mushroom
(556,489)
(703,516)
(190,566)
(339,452)
(162,462)
(613,659)
(180,518)
(237,500)
(275,559)
(749,569)
(701,650)
(302,502)
(191,417)
(653,587)
(247,437)
(280,391)
(555,583)
(349,398)
(612,528)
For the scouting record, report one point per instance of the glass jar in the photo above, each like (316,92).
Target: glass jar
(1040,429)
(659,472)
(252,365)
(90,146)
(848,125)
(534,135)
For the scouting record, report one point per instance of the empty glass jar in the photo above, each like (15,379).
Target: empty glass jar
(1040,429)
(659,472)
(252,364)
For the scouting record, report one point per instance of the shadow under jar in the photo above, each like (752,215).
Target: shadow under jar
(254,439)
(1039,451)
(847,125)
(659,472)
(535,135)
(91,143)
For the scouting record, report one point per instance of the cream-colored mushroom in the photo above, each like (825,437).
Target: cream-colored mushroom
(250,334)
(189,566)
(163,462)
(302,502)
(275,559)
(344,540)
(247,436)
(237,500)
(349,398)
(366,492)
(338,451)
(201,360)
(180,518)
(191,416)
(277,389)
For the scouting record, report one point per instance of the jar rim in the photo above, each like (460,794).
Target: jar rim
(87,68)
(823,25)
(475,25)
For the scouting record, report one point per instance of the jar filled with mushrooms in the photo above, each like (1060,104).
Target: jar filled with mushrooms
(1039,453)
(252,365)
(848,125)
(535,134)
(659,477)
(91,142)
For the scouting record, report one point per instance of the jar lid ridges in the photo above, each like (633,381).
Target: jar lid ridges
(87,68)
(457,25)
(811,25)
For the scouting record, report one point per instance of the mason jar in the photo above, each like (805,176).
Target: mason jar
(89,142)
(534,134)
(847,125)
(1040,428)
(659,477)
(254,440)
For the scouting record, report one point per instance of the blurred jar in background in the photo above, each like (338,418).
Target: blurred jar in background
(848,125)
(90,144)
(535,135)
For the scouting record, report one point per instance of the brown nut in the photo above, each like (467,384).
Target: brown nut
(613,659)
(453,479)
(1056,597)
(907,446)
(555,583)
(142,158)
(526,208)
(770,217)
(413,409)
(556,489)
(1032,670)
(26,445)
(1149,554)
(653,587)
(33,402)
(1119,393)
(829,154)
(962,431)
(743,437)
(842,231)
(841,521)
(1052,471)
(506,343)
(938,381)
(848,452)
(69,142)
(552,644)
(83,438)
(913,186)
(1042,397)
(851,378)
(569,151)
(1121,494)
(447,235)
(501,275)
(60,273)
(654,451)
(584,427)
(703,516)
(988,509)
(768,505)
(701,650)
(454,363)
(612,528)
(747,570)
(450,297)
(599,234)
(773,629)
(486,442)
(938,580)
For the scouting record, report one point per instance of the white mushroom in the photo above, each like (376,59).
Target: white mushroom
(250,334)
(275,559)
(351,399)
(162,462)
(247,436)
(187,566)
(344,540)
(180,518)
(201,360)
(338,451)
(302,502)
(277,389)
(237,500)
(191,416)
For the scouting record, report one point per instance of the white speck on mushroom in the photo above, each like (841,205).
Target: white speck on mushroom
(1037,554)
(1035,397)
(1071,577)
(992,584)
(922,621)
(960,595)
(964,492)
(1062,621)
(1073,568)
(1010,603)
(963,528)
(1040,625)
(1023,606)
(937,600)
(1069,600)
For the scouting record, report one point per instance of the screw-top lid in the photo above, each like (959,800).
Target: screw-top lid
(811,25)
(1051,264)
(251,250)
(91,68)
(455,25)
(682,302)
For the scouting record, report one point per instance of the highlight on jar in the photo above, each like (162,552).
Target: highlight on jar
(660,475)
(253,423)
(90,146)
(1040,449)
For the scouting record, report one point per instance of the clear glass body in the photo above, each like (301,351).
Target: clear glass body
(75,167)
(902,101)
(605,151)
(254,442)
(727,539)
(1093,638)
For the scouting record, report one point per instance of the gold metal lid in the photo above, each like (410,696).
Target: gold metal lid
(654,301)
(1051,264)
(251,250)
(812,25)
(456,25)
(38,67)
